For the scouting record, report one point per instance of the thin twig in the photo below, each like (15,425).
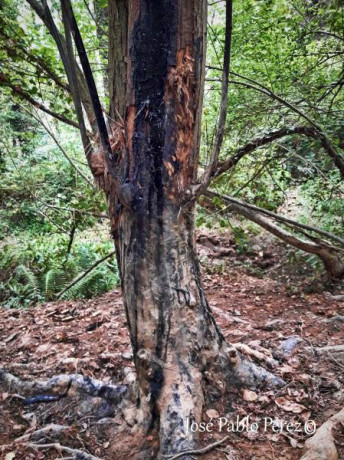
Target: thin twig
(76,452)
(64,153)
(86,272)
(199,451)
(335,360)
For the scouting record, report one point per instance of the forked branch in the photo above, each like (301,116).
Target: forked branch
(102,130)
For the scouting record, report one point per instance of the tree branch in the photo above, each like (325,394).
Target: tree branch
(325,140)
(94,18)
(103,134)
(86,272)
(275,216)
(77,453)
(328,254)
(78,211)
(197,451)
(64,153)
(33,59)
(329,34)
(322,136)
(17,89)
(42,10)
(73,81)
(260,142)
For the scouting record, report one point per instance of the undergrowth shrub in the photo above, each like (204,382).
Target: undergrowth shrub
(36,270)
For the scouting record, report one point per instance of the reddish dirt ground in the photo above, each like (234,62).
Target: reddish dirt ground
(90,337)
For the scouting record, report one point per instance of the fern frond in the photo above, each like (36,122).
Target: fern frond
(95,283)
(27,275)
(52,281)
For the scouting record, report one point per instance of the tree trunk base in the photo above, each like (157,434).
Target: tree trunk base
(154,439)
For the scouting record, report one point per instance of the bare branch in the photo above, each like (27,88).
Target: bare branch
(86,272)
(73,81)
(328,254)
(197,451)
(275,216)
(103,134)
(77,453)
(43,11)
(77,211)
(64,153)
(94,18)
(260,142)
(326,142)
(329,34)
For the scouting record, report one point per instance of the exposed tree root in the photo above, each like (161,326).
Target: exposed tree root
(335,318)
(248,374)
(63,383)
(260,355)
(93,397)
(244,372)
(199,451)
(321,446)
(338,298)
(51,430)
(328,349)
(76,453)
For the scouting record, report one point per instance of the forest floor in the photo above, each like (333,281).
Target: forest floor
(270,313)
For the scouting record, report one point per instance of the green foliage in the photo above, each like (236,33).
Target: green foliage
(42,200)
(51,282)
(325,203)
(295,50)
(241,239)
(36,271)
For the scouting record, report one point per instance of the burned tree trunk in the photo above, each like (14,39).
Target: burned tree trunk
(171,330)
(177,346)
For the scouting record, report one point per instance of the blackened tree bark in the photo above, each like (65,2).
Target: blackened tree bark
(172,333)
(178,349)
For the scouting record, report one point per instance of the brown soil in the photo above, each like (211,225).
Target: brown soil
(90,337)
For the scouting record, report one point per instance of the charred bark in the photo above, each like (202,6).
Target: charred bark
(178,350)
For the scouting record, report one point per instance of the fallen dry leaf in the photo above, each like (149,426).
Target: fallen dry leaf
(212,413)
(10,456)
(249,395)
(289,406)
